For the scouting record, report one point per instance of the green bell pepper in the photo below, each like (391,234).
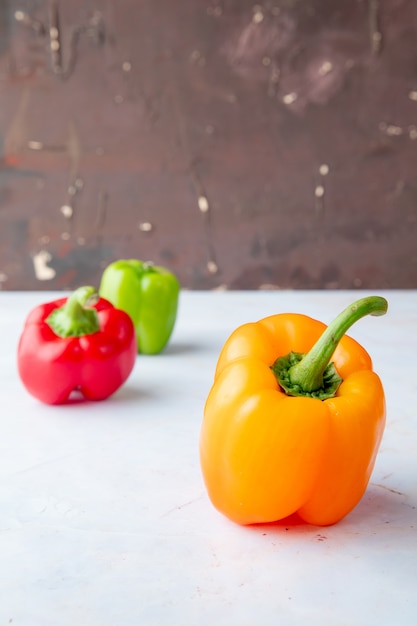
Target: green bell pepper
(149,295)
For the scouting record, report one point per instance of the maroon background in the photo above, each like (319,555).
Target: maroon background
(149,106)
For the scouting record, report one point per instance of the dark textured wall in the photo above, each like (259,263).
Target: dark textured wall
(242,145)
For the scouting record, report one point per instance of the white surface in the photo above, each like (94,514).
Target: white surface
(104,519)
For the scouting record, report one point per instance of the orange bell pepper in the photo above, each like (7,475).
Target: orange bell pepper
(284,430)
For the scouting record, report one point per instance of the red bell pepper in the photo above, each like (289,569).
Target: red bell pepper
(81,343)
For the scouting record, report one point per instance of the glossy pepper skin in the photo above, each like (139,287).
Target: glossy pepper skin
(68,345)
(149,294)
(265,454)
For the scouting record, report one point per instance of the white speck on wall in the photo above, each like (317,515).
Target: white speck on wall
(212,267)
(35,145)
(394,130)
(41,267)
(145,227)
(203,204)
(289,98)
(412,132)
(258,16)
(325,68)
(67,211)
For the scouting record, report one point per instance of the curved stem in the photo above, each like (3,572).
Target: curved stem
(308,373)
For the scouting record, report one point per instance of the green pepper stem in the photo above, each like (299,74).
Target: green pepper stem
(308,373)
(76,317)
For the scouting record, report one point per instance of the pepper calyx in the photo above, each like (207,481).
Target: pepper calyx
(76,317)
(282,367)
(312,374)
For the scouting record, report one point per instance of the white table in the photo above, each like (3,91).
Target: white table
(104,519)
